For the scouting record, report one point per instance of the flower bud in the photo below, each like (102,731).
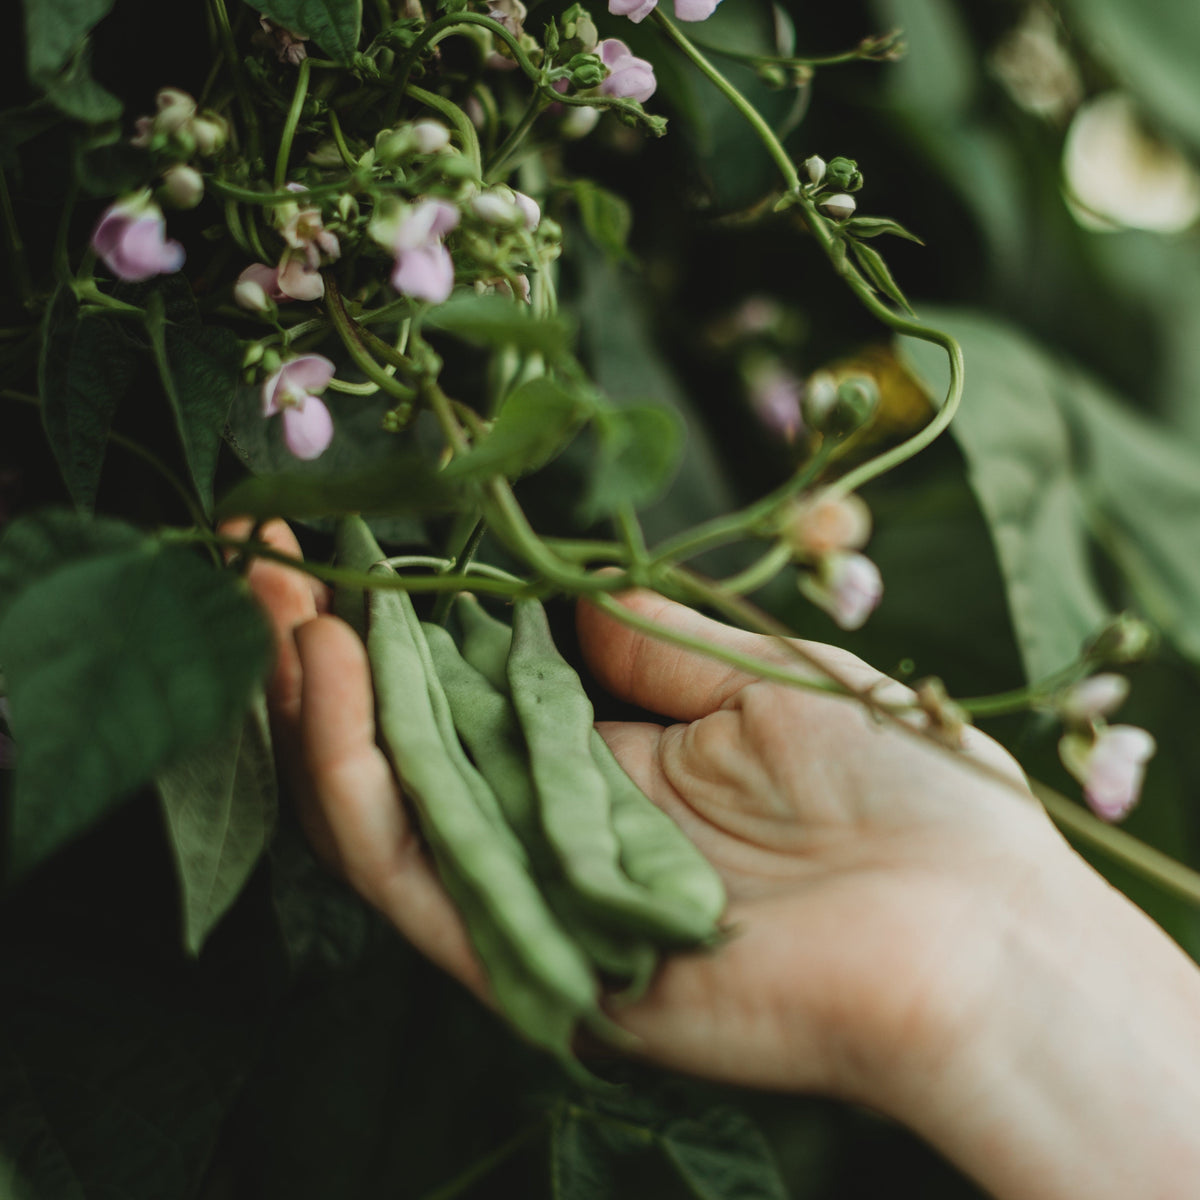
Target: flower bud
(1125,639)
(1110,766)
(429,137)
(839,206)
(182,186)
(325,154)
(252,355)
(175,109)
(846,586)
(587,71)
(578,121)
(814,166)
(210,133)
(1094,698)
(823,525)
(839,407)
(497,208)
(843,173)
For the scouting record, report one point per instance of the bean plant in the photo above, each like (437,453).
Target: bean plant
(383,270)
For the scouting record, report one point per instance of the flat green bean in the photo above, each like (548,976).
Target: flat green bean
(486,641)
(355,547)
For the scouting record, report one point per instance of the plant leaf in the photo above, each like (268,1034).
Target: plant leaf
(876,271)
(870,227)
(1019,464)
(536,420)
(219,803)
(57,57)
(606,217)
(401,483)
(85,369)
(33,546)
(639,451)
(495,321)
(723,1155)
(335,25)
(200,370)
(115,666)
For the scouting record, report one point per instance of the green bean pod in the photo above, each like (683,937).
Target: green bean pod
(487,859)
(487,724)
(556,719)
(354,547)
(486,641)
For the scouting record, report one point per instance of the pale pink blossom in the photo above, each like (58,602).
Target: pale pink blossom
(299,279)
(303,229)
(293,391)
(424,269)
(1111,768)
(774,395)
(847,586)
(826,525)
(1094,698)
(257,288)
(685,10)
(629,77)
(131,239)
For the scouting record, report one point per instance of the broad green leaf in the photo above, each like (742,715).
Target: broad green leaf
(335,25)
(77,94)
(1019,463)
(496,321)
(401,483)
(116,666)
(1143,484)
(219,803)
(36,545)
(587,1155)
(639,451)
(723,1155)
(606,217)
(200,368)
(536,420)
(57,60)
(85,369)
(1152,44)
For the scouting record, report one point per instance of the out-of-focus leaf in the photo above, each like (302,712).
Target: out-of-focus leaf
(1019,462)
(57,58)
(1152,44)
(219,803)
(85,369)
(335,25)
(722,1155)
(402,483)
(536,420)
(496,321)
(586,1155)
(1144,484)
(36,545)
(200,370)
(938,74)
(639,451)
(115,666)
(606,217)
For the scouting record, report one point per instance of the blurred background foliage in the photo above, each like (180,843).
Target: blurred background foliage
(305,1052)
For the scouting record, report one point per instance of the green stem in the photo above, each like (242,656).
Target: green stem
(351,163)
(231,191)
(245,102)
(1019,699)
(516,135)
(487,1164)
(457,118)
(351,336)
(303,71)
(1118,845)
(761,572)
(16,247)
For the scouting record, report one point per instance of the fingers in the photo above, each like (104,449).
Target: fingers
(279,536)
(357,813)
(687,684)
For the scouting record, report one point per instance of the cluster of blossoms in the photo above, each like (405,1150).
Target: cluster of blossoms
(131,235)
(827,533)
(685,10)
(832,182)
(1108,760)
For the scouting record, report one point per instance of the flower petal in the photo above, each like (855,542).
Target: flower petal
(424,273)
(307,428)
(309,373)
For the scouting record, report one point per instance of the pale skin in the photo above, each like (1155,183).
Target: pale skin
(909,933)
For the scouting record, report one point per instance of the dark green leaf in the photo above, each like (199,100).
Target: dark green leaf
(1143,483)
(85,369)
(402,483)
(77,94)
(869,227)
(537,419)
(876,271)
(607,217)
(639,452)
(219,804)
(200,369)
(498,321)
(1019,464)
(723,1156)
(116,666)
(54,30)
(335,25)
(586,1154)
(39,544)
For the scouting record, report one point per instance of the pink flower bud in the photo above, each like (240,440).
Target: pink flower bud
(1094,698)
(774,395)
(685,10)
(175,109)
(629,77)
(210,133)
(257,288)
(695,10)
(847,586)
(1111,769)
(429,136)
(130,238)
(530,209)
(827,525)
(292,391)
(299,279)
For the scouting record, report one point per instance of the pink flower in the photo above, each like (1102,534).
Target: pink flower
(292,391)
(1111,767)
(1093,698)
(131,239)
(774,394)
(298,279)
(847,586)
(685,10)
(628,76)
(257,288)
(424,269)
(303,229)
